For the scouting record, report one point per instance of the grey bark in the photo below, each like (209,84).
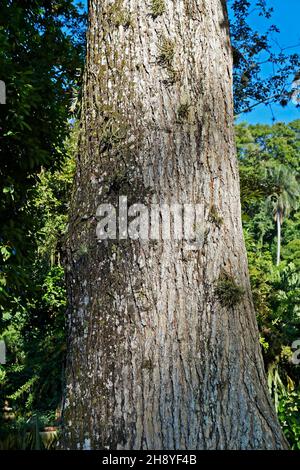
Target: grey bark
(156,358)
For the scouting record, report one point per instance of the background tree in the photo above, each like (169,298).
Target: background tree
(284,199)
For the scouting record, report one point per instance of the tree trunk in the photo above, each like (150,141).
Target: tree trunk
(278,220)
(163,346)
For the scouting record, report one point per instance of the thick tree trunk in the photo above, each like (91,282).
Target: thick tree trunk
(163,343)
(278,221)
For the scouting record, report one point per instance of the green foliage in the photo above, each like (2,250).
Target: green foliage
(286,192)
(41,54)
(29,434)
(33,325)
(269,169)
(289,416)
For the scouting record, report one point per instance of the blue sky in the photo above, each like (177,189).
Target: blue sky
(287,18)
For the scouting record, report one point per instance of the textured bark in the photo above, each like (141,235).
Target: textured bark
(156,358)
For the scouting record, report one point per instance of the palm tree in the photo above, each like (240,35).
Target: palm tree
(284,198)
